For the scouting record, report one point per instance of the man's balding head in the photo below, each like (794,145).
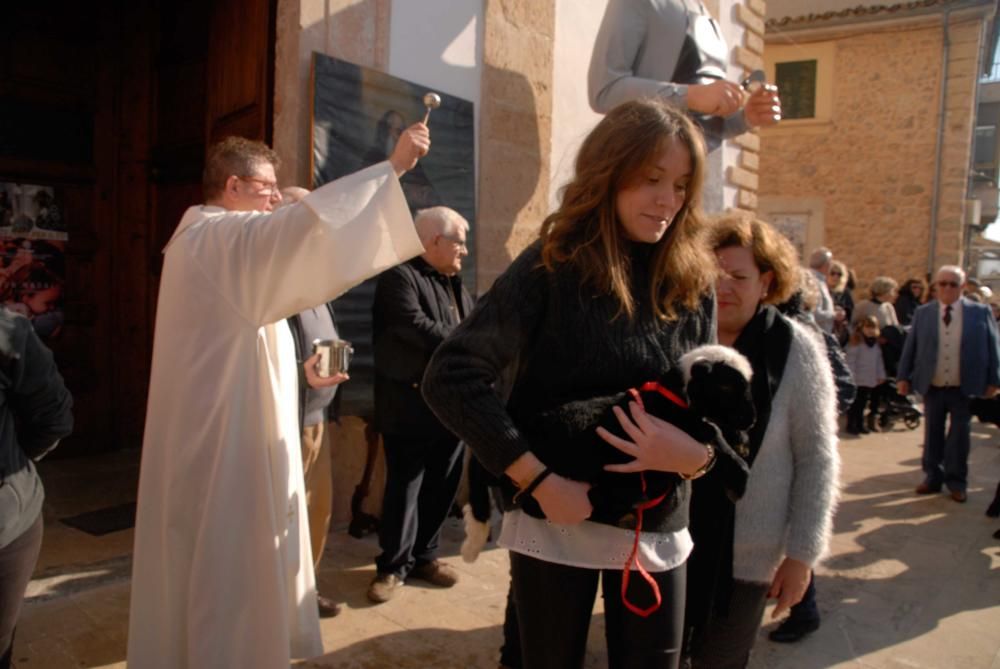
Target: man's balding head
(442,231)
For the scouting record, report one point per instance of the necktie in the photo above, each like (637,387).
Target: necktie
(947,315)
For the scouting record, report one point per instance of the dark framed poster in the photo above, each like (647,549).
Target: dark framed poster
(357,117)
(32,255)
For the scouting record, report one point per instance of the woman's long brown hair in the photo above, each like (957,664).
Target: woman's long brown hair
(584,231)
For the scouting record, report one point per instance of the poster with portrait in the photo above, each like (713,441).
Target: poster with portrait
(32,255)
(357,117)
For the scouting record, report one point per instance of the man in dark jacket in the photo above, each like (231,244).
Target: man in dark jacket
(35,413)
(417,304)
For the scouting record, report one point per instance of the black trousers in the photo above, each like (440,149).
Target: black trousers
(855,415)
(554,603)
(728,638)
(422,476)
(17,562)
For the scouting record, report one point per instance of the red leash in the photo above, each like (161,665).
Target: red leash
(651,386)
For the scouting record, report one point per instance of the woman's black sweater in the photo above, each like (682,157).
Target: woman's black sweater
(550,340)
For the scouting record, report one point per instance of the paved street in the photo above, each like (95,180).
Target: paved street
(911,582)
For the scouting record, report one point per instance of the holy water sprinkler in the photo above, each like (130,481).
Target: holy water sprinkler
(431,101)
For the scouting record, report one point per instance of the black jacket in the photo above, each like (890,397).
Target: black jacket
(35,413)
(550,339)
(415,308)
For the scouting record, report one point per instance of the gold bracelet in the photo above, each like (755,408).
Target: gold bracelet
(704,469)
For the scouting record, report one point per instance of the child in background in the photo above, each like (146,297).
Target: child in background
(864,356)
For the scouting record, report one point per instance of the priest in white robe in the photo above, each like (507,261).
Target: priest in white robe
(222,573)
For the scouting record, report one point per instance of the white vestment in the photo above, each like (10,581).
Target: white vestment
(222,573)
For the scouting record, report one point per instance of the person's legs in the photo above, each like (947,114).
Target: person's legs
(17,562)
(510,650)
(554,603)
(442,474)
(934,420)
(875,400)
(956,449)
(993,510)
(653,642)
(318,478)
(729,638)
(856,412)
(404,464)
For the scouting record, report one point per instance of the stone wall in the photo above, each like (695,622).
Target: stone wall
(515,130)
(872,164)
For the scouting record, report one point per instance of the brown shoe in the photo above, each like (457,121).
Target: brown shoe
(959,496)
(383,587)
(327,607)
(927,489)
(436,573)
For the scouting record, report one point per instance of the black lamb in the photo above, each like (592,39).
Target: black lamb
(708,396)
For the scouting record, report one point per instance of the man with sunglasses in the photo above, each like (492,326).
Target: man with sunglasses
(950,356)
(222,575)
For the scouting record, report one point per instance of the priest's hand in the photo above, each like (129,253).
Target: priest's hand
(315,380)
(413,144)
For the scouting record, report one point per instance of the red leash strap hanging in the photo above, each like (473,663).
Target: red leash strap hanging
(633,558)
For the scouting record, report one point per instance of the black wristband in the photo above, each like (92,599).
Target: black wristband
(530,488)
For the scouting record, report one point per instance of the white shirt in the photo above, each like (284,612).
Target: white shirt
(590,545)
(949,356)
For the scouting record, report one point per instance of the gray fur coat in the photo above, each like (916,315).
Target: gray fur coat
(794,482)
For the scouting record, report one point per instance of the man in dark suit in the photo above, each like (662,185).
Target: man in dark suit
(417,304)
(950,356)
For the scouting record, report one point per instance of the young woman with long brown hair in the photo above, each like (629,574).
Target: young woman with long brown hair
(611,295)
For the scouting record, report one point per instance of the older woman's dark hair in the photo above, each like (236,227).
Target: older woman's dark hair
(772,252)
(585,233)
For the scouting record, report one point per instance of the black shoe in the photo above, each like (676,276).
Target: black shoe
(327,607)
(792,630)
(993,511)
(996,535)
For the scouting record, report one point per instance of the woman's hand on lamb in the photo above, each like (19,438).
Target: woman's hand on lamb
(656,444)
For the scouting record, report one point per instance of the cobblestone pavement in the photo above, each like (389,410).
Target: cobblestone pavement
(911,582)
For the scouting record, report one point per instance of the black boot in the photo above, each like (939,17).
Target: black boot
(793,629)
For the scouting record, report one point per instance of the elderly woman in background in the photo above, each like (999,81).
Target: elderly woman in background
(911,296)
(767,544)
(883,294)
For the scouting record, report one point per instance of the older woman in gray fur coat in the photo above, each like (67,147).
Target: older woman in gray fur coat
(764,545)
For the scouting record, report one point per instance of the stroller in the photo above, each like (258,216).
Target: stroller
(892,406)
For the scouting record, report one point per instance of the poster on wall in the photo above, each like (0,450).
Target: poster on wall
(32,255)
(357,117)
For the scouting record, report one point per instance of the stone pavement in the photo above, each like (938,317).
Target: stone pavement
(911,582)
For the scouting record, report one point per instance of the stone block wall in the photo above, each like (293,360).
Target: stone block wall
(872,163)
(515,130)
(743,173)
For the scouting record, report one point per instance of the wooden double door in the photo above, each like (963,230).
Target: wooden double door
(112,105)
